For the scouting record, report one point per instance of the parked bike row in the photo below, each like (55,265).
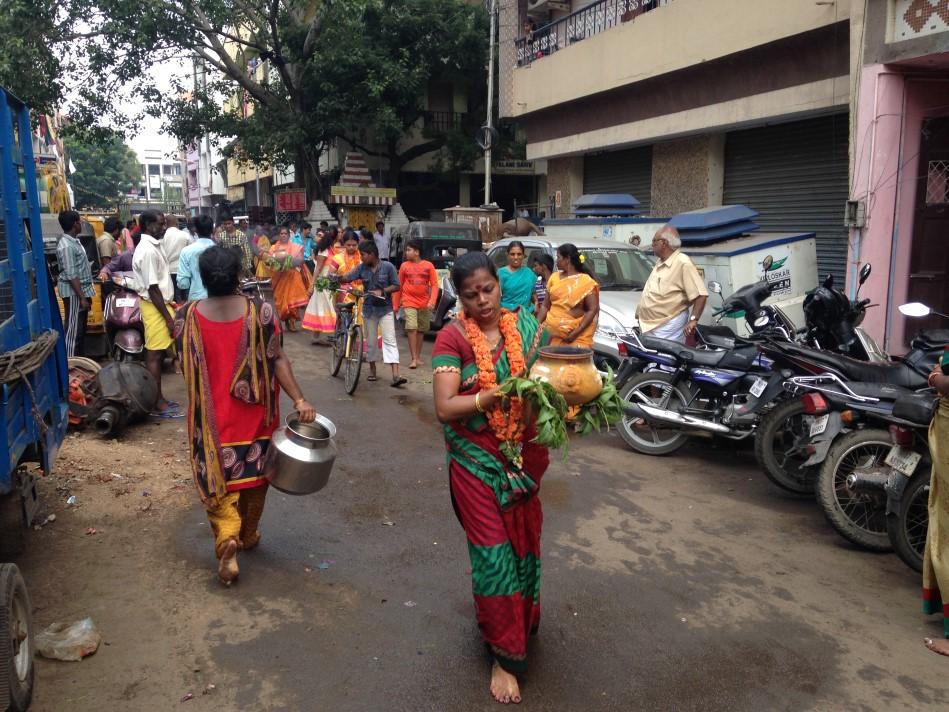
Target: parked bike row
(831,415)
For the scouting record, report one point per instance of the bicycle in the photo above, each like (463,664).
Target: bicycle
(348,341)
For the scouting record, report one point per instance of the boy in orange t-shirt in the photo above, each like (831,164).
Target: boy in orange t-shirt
(417,297)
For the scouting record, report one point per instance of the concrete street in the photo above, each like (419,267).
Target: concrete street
(676,583)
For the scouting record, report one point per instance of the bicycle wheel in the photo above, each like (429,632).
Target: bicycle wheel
(340,337)
(353,359)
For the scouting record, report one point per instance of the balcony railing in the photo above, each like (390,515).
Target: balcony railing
(585,22)
(439,122)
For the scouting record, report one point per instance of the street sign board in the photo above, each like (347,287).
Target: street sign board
(290,201)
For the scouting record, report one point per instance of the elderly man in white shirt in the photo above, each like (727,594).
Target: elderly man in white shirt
(157,291)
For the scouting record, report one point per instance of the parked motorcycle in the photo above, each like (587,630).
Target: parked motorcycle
(789,445)
(853,482)
(123,321)
(721,390)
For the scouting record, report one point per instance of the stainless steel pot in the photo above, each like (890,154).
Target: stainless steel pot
(301,455)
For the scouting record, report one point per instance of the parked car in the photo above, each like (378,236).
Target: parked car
(621,270)
(442,244)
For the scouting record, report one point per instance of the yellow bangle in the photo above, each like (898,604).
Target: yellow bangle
(478,402)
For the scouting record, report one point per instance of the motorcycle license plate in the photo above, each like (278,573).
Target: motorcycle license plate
(757,388)
(903,460)
(819,424)
(125,302)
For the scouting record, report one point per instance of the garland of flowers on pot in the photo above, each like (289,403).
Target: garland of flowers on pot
(506,416)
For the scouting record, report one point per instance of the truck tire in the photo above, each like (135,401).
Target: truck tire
(907,527)
(16,641)
(639,436)
(858,517)
(776,451)
(12,526)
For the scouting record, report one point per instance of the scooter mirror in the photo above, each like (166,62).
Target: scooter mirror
(865,273)
(915,309)
(715,287)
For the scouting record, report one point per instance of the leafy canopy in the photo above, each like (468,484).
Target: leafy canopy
(282,78)
(105,172)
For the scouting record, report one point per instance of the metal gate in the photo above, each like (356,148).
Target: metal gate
(796,176)
(627,171)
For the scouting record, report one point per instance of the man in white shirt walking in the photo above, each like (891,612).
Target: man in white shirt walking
(174,241)
(382,241)
(157,291)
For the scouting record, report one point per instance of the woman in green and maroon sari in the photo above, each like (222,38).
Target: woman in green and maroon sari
(494,468)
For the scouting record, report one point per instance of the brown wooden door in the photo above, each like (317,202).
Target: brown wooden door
(929,259)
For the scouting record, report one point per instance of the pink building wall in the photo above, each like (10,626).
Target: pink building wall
(890,112)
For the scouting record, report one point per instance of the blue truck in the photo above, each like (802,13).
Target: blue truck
(34,380)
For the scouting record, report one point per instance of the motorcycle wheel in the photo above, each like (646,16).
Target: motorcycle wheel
(859,517)
(908,527)
(777,451)
(655,388)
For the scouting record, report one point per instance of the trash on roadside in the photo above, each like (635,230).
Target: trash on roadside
(387,522)
(410,604)
(189,696)
(71,500)
(68,641)
(325,565)
(209,689)
(91,531)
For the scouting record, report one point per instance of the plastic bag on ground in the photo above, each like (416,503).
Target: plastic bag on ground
(69,641)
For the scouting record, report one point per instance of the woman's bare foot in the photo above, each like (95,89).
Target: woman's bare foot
(938,646)
(227,569)
(504,687)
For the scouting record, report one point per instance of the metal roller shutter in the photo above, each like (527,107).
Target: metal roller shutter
(628,171)
(796,176)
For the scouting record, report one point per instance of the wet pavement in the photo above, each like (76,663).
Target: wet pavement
(674,583)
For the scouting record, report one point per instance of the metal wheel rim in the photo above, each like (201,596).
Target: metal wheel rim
(661,401)
(916,523)
(20,629)
(863,510)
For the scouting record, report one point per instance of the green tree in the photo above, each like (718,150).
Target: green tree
(29,68)
(105,171)
(298,74)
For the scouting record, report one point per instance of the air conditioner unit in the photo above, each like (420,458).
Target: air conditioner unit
(541,7)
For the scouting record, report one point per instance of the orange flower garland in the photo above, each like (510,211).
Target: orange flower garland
(507,423)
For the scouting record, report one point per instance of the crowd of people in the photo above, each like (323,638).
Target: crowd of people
(506,315)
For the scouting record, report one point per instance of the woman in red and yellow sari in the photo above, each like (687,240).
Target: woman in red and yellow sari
(494,467)
(346,261)
(290,290)
(232,364)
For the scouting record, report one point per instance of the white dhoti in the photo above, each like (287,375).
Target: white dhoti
(674,329)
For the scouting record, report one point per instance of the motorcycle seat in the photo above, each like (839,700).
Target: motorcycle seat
(895,372)
(719,336)
(916,408)
(739,358)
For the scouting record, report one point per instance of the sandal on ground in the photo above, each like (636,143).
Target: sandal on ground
(399,382)
(372,377)
(168,413)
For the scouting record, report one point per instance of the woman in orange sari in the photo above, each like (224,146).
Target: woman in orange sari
(572,306)
(289,288)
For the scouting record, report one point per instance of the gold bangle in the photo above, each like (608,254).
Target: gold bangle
(478,402)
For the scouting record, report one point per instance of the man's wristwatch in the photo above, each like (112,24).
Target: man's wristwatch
(693,318)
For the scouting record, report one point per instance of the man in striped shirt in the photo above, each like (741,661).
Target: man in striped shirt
(75,281)
(232,237)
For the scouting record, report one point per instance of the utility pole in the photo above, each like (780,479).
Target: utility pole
(490,122)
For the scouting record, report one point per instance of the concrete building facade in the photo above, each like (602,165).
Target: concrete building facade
(687,103)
